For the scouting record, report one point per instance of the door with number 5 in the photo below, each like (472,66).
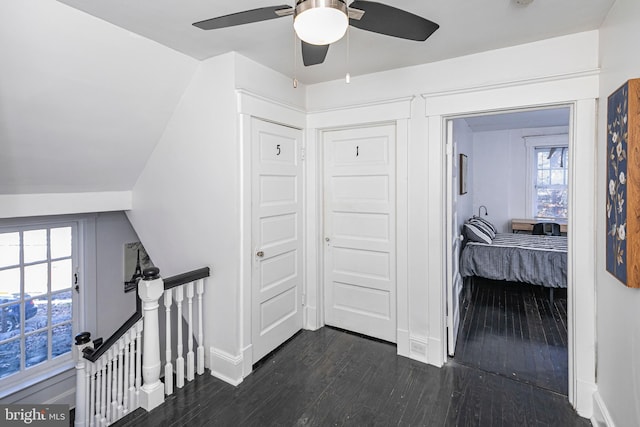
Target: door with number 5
(276,235)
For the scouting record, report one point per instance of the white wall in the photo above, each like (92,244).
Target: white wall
(618,323)
(113,306)
(463,138)
(500,173)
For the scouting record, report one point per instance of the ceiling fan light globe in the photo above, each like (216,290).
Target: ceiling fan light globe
(321,24)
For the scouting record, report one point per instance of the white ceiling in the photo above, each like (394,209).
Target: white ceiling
(466,27)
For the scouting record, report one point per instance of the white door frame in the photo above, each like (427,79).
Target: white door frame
(580,92)
(397,112)
(232,367)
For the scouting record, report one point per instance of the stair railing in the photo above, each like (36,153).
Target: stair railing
(116,376)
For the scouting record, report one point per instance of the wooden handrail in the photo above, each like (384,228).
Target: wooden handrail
(181,279)
(93,354)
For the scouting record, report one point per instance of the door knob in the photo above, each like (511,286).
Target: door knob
(326,239)
(259,254)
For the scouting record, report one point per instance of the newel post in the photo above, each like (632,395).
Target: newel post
(83,340)
(150,289)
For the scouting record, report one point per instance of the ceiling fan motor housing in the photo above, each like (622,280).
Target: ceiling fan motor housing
(320,22)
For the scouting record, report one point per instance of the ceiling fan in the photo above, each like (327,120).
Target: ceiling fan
(318,23)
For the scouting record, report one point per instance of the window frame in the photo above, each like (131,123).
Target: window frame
(26,377)
(541,142)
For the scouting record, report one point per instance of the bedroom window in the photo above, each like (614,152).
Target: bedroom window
(38,303)
(551,176)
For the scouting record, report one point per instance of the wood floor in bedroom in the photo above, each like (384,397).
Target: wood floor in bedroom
(511,329)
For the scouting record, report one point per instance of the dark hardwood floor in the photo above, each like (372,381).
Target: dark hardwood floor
(512,330)
(330,377)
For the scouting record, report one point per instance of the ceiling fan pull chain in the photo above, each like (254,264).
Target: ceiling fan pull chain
(347,78)
(295,61)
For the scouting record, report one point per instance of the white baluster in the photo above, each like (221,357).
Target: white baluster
(132,371)
(179,296)
(120,345)
(109,356)
(125,374)
(92,396)
(150,289)
(138,361)
(190,367)
(168,366)
(103,390)
(114,383)
(87,399)
(200,351)
(98,391)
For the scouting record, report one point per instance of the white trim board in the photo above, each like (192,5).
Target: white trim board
(48,204)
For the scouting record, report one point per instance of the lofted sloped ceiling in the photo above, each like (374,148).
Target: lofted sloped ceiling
(82,102)
(466,27)
(88,87)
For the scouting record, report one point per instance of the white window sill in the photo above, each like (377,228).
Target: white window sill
(20,383)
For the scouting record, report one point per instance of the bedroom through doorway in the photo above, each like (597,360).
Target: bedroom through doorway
(507,277)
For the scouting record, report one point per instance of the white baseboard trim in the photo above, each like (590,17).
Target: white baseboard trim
(601,416)
(66,398)
(225,366)
(434,352)
(402,342)
(311,322)
(247,360)
(584,398)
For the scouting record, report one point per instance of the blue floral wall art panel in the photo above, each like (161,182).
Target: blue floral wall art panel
(623,156)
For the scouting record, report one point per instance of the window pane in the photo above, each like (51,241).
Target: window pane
(543,161)
(39,318)
(9,358)
(36,279)
(9,250)
(60,242)
(552,203)
(61,308)
(61,339)
(543,177)
(10,317)
(36,346)
(10,281)
(61,275)
(557,177)
(35,245)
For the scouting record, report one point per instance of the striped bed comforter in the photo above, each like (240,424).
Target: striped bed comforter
(539,260)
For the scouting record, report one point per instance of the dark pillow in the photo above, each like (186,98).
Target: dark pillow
(484,225)
(477,234)
(487,223)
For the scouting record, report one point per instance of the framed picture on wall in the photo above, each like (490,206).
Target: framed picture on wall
(136,260)
(464,168)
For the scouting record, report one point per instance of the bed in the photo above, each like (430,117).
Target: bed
(538,260)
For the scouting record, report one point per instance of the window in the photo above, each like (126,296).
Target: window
(548,171)
(38,303)
(551,182)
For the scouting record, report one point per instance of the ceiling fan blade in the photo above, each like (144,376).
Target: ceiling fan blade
(382,19)
(313,54)
(240,18)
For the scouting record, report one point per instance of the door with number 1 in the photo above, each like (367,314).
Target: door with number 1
(276,235)
(360,230)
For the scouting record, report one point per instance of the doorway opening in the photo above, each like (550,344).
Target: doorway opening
(506,288)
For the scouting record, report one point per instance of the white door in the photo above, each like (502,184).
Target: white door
(360,230)
(276,235)
(454,280)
